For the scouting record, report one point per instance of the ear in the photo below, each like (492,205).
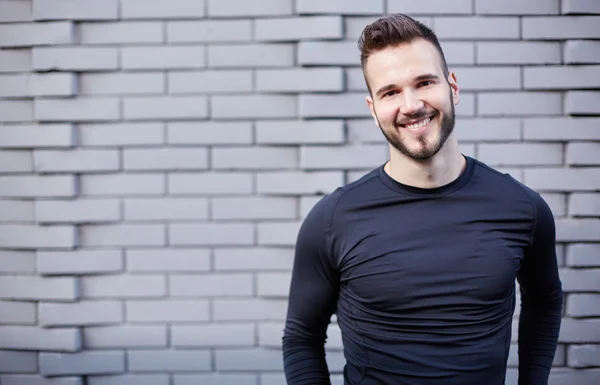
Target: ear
(454,87)
(372,109)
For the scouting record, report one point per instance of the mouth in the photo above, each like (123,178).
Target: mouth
(416,124)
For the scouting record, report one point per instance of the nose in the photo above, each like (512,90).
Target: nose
(410,103)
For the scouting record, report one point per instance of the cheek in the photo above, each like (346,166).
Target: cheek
(387,112)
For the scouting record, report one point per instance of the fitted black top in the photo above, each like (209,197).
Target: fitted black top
(422,282)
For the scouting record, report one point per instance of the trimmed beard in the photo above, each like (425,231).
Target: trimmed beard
(446,127)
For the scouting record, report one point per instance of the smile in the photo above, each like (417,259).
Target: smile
(418,124)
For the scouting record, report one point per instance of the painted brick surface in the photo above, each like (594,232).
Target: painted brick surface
(158,157)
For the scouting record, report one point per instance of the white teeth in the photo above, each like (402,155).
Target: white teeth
(418,124)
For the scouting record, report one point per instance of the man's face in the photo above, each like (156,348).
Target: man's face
(412,99)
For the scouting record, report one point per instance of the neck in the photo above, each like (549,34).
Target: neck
(437,171)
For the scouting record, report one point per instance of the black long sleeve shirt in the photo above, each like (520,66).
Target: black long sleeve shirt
(422,282)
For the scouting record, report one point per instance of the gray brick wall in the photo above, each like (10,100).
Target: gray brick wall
(158,156)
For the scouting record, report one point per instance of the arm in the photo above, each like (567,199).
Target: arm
(312,300)
(541,300)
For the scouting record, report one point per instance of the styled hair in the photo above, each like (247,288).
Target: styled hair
(393,30)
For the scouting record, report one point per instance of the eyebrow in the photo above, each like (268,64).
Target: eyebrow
(416,79)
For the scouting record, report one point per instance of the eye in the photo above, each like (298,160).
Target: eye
(426,83)
(390,93)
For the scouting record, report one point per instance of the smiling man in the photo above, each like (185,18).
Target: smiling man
(418,259)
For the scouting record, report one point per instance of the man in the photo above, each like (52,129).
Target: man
(418,258)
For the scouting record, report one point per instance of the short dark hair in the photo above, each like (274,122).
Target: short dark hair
(393,30)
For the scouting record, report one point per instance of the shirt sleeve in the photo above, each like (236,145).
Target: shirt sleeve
(312,299)
(541,299)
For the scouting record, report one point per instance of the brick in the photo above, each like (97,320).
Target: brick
(218,81)
(583,255)
(171,107)
(157,9)
(278,233)
(83,363)
(584,204)
(123,235)
(36,338)
(215,379)
(36,136)
(516,154)
(31,85)
(168,260)
(211,285)
(573,376)
(519,103)
(488,129)
(477,28)
(215,234)
(182,310)
(13,11)
(79,262)
(249,158)
(123,32)
(120,134)
(163,57)
(299,28)
(38,288)
(168,360)
(583,154)
(80,314)
(210,183)
(16,313)
(115,337)
(19,236)
(254,208)
(29,186)
(300,132)
(269,335)
(300,80)
(351,105)
(122,83)
(129,379)
(240,8)
(81,110)
(581,51)
(366,131)
(159,209)
(248,359)
(561,77)
(516,7)
(14,60)
(355,80)
(18,362)
(344,7)
(572,230)
(165,159)
(557,203)
(16,161)
(328,53)
(75,10)
(74,58)
(560,27)
(583,305)
(580,7)
(580,280)
(583,356)
(225,133)
(253,259)
(30,34)
(209,31)
(458,52)
(582,102)
(346,157)
(273,284)
(254,106)
(16,210)
(298,182)
(519,52)
(307,204)
(77,211)
(488,78)
(129,184)
(563,179)
(249,310)
(38,380)
(213,335)
(16,111)
(251,55)
(430,7)
(561,129)
(123,286)
(80,160)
